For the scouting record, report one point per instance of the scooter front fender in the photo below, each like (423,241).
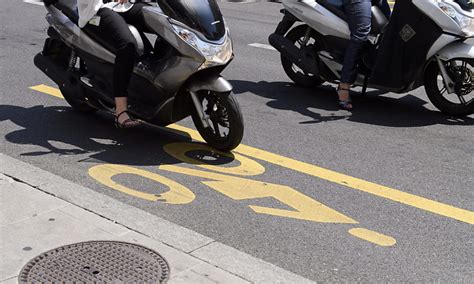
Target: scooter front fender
(456,50)
(206,83)
(215,84)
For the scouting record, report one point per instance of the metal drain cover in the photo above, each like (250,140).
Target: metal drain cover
(97,261)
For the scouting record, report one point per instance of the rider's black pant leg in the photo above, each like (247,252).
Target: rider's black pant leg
(134,17)
(114,29)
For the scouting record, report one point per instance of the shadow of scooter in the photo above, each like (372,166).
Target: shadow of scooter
(373,108)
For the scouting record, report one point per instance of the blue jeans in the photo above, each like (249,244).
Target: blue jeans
(359,17)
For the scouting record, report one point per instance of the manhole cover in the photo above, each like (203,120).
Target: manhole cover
(97,261)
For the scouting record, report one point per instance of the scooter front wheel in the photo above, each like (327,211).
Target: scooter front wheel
(226,125)
(459,103)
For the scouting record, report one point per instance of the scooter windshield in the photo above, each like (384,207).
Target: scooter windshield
(202,15)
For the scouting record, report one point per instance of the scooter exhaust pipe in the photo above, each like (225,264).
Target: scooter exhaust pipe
(293,54)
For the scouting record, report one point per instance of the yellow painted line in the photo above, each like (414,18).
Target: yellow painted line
(48,90)
(373,237)
(348,181)
(342,179)
(237,188)
(177,193)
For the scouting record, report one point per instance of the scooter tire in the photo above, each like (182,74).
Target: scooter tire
(235,120)
(298,76)
(437,98)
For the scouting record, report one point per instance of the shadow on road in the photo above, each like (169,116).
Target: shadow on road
(408,111)
(60,130)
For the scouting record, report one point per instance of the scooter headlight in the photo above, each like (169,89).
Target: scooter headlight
(215,54)
(464,22)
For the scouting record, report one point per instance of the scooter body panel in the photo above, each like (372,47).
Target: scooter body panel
(440,43)
(455,50)
(318,17)
(73,36)
(431,9)
(160,24)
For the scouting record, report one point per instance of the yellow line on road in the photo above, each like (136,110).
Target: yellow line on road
(362,185)
(373,237)
(48,90)
(348,181)
(339,178)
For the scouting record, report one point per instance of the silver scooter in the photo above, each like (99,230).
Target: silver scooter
(424,43)
(177,76)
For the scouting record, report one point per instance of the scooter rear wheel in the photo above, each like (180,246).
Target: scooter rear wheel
(225,118)
(70,89)
(301,78)
(461,102)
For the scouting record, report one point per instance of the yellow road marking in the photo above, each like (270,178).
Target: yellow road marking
(373,237)
(48,90)
(247,167)
(348,181)
(342,179)
(177,194)
(305,208)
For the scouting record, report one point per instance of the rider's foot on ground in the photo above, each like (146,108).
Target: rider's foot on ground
(344,97)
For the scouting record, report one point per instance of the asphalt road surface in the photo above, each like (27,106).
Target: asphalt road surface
(382,194)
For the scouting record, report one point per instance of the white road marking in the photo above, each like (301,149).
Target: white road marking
(36,2)
(261,45)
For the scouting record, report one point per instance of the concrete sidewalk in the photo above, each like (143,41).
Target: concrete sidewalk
(41,211)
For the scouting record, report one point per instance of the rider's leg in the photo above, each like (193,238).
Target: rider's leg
(114,29)
(359,18)
(135,17)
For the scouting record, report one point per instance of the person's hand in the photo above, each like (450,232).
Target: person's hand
(121,1)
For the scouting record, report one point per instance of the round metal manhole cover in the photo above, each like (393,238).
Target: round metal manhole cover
(97,261)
